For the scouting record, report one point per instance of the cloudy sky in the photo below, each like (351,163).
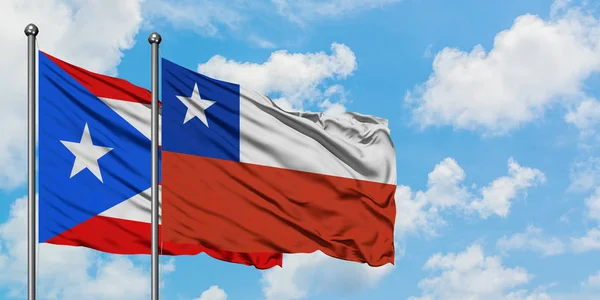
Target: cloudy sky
(493,108)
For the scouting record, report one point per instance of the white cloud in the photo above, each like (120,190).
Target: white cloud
(593,282)
(213,293)
(168,266)
(420,211)
(211,17)
(201,16)
(215,18)
(261,42)
(427,53)
(585,175)
(592,204)
(472,275)
(496,197)
(415,214)
(533,240)
(77,31)
(301,11)
(294,77)
(517,80)
(535,295)
(559,6)
(335,99)
(444,184)
(589,242)
(586,116)
(89,275)
(304,274)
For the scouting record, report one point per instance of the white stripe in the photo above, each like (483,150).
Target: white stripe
(348,145)
(137,114)
(136,208)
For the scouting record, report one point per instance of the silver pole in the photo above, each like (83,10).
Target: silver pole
(154,40)
(31,32)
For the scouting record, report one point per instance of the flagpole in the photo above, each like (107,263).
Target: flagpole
(31,32)
(154,39)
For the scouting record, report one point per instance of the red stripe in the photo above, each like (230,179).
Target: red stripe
(250,208)
(104,86)
(120,236)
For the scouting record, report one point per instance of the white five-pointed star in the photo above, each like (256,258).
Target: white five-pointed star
(196,106)
(86,154)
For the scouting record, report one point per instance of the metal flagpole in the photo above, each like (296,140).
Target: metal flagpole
(154,39)
(31,32)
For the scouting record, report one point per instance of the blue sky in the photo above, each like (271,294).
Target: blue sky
(493,108)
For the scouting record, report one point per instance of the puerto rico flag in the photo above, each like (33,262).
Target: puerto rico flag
(94,166)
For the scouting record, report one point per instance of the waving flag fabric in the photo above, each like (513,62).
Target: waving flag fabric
(241,174)
(94,166)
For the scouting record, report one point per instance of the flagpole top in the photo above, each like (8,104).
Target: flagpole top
(154,38)
(31,29)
